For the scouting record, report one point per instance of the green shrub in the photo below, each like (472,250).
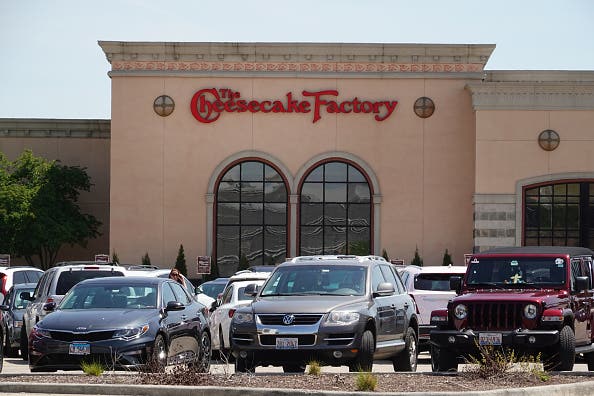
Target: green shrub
(417,260)
(447,258)
(314,368)
(115,258)
(365,381)
(494,362)
(92,368)
(385,255)
(146,260)
(180,261)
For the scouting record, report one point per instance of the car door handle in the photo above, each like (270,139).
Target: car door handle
(184,317)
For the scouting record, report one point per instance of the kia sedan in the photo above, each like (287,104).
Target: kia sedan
(123,323)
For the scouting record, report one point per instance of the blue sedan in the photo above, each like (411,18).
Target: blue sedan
(139,323)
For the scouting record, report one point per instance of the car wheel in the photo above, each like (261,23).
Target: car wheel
(24,344)
(564,358)
(407,359)
(159,356)
(590,360)
(244,365)
(294,368)
(443,360)
(204,354)
(364,360)
(9,351)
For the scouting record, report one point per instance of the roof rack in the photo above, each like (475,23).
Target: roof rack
(336,257)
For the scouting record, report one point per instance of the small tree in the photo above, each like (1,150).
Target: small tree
(115,258)
(385,255)
(447,258)
(146,260)
(180,261)
(417,260)
(243,262)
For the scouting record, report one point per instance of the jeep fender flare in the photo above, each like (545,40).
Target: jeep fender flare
(568,318)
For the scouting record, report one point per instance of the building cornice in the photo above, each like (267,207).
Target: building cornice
(54,128)
(295,58)
(533,90)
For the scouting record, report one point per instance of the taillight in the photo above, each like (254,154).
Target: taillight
(232,312)
(49,300)
(4,277)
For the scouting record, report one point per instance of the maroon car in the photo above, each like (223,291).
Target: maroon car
(531,299)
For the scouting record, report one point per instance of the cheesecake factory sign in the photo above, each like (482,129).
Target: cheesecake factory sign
(207,105)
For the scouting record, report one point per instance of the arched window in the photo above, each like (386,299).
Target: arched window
(335,211)
(559,214)
(251,216)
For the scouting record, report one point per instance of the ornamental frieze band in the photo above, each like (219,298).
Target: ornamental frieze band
(317,67)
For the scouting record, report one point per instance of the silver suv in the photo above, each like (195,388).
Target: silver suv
(52,287)
(337,310)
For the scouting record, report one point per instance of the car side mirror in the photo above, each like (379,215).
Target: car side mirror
(384,289)
(251,290)
(26,296)
(198,290)
(582,283)
(174,306)
(214,305)
(456,284)
(49,307)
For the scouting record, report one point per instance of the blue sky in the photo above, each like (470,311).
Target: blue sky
(52,67)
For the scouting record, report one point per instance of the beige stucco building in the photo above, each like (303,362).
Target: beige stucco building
(274,150)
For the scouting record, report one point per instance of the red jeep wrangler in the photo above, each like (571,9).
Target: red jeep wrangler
(532,299)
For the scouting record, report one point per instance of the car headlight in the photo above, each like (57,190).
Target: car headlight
(460,311)
(40,332)
(131,333)
(530,311)
(342,317)
(243,317)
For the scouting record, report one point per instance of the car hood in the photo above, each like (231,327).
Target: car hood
(511,295)
(97,319)
(304,304)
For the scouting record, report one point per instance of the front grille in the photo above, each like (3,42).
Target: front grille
(303,339)
(494,316)
(91,336)
(300,319)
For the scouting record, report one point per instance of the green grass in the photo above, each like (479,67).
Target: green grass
(314,368)
(92,368)
(365,381)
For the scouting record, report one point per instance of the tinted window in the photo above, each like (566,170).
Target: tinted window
(181,294)
(391,277)
(67,279)
(517,270)
(168,294)
(33,276)
(377,277)
(19,277)
(213,289)
(436,282)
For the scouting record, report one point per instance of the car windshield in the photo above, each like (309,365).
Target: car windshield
(213,289)
(517,271)
(435,282)
(110,296)
(339,280)
(70,278)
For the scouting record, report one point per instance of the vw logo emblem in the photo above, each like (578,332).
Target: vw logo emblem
(288,319)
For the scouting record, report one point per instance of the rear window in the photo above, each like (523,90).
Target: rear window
(435,282)
(67,279)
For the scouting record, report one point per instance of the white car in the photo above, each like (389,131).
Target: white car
(220,319)
(430,289)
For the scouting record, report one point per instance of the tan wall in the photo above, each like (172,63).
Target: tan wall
(161,166)
(507,147)
(92,154)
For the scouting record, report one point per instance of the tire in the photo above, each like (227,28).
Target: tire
(204,354)
(590,360)
(9,351)
(564,358)
(243,365)
(158,359)
(364,360)
(24,344)
(443,360)
(407,359)
(294,368)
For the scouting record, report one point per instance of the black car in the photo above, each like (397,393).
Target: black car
(337,310)
(13,308)
(124,323)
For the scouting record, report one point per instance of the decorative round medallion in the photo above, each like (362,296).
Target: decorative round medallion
(424,107)
(549,140)
(163,105)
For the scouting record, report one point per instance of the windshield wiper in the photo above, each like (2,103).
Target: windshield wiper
(494,285)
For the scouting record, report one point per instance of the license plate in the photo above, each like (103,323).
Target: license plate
(80,348)
(489,338)
(287,343)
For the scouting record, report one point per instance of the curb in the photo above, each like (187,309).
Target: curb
(574,389)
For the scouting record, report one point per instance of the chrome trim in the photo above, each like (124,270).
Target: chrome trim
(388,344)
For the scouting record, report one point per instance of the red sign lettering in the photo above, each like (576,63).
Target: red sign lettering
(208,104)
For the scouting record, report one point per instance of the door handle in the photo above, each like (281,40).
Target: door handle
(184,317)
